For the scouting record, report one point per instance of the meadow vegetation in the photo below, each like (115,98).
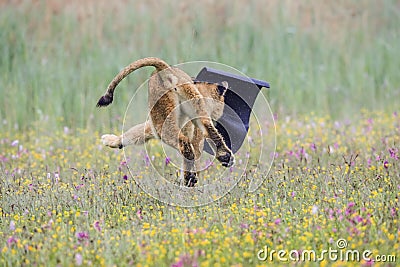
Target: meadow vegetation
(68,201)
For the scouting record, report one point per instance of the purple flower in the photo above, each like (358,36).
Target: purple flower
(336,145)
(125,177)
(96,226)
(244,225)
(147,160)
(278,221)
(274,155)
(393,153)
(386,164)
(82,236)
(79,186)
(313,147)
(186,260)
(167,160)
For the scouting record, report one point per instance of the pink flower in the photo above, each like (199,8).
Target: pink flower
(244,225)
(12,240)
(139,214)
(351,204)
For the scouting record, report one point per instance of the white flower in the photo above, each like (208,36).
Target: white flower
(15,143)
(314,209)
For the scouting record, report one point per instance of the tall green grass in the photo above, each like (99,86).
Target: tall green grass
(57,58)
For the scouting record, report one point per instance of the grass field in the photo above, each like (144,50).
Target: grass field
(334,183)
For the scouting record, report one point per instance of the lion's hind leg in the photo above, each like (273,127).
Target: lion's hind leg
(137,135)
(111,140)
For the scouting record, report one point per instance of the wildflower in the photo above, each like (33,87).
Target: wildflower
(351,204)
(167,160)
(386,164)
(15,143)
(96,226)
(313,147)
(393,153)
(393,212)
(82,236)
(78,259)
(278,221)
(79,186)
(139,214)
(244,225)
(12,240)
(125,177)
(274,155)
(12,226)
(147,160)
(314,209)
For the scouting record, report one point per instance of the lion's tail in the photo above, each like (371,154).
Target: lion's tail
(107,98)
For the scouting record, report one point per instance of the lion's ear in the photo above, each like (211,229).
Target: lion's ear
(222,88)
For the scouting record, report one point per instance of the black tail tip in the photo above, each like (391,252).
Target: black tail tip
(105,100)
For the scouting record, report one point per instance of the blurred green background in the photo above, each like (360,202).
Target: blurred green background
(329,57)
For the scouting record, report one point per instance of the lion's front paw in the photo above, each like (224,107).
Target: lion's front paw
(111,140)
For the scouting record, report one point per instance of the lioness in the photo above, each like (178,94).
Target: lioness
(181,114)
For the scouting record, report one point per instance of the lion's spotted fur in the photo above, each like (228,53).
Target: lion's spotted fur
(181,114)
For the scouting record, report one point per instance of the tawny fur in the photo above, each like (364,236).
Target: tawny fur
(181,114)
